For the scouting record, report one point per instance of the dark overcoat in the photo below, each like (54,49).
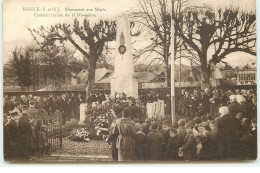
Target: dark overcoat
(228,130)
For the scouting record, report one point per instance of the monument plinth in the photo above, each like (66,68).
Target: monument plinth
(123,80)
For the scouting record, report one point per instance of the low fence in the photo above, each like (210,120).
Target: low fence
(54,128)
(54,135)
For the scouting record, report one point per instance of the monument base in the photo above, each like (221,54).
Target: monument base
(124,84)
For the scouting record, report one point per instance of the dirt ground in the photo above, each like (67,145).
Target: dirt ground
(94,147)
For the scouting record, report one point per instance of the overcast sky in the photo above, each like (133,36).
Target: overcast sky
(16,20)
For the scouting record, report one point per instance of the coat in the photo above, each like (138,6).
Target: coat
(234,108)
(24,129)
(10,140)
(126,139)
(139,145)
(181,131)
(146,128)
(112,139)
(228,130)
(187,103)
(134,111)
(24,136)
(205,102)
(64,108)
(189,147)
(154,145)
(172,148)
(32,114)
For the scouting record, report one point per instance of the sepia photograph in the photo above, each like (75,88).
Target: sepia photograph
(133,81)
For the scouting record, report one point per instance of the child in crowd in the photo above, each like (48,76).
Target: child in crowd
(173,145)
(43,141)
(181,131)
(189,146)
(197,121)
(139,142)
(154,143)
(147,124)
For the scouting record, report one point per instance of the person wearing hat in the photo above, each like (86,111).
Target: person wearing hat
(24,134)
(154,144)
(11,134)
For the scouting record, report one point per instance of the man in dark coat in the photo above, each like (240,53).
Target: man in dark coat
(149,98)
(51,103)
(187,103)
(64,108)
(227,131)
(234,106)
(205,102)
(24,135)
(11,135)
(134,111)
(32,112)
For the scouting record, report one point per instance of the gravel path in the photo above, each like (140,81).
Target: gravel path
(94,147)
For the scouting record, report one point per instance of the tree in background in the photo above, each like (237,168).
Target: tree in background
(88,39)
(21,64)
(210,35)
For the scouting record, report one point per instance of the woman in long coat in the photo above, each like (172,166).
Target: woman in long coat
(112,136)
(126,138)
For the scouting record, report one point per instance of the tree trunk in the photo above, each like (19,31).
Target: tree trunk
(205,80)
(205,72)
(91,78)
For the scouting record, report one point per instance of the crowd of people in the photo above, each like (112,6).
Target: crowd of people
(26,122)
(203,102)
(223,126)
(212,125)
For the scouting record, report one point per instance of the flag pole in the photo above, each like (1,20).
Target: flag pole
(172,67)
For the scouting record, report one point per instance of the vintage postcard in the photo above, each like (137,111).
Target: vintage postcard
(133,81)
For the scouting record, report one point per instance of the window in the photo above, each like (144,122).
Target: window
(246,77)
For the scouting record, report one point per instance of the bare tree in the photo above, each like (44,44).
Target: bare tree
(213,35)
(88,39)
(155,17)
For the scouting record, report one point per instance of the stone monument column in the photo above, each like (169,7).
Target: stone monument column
(123,80)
